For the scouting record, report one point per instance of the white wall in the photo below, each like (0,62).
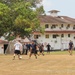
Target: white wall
(1,49)
(62,43)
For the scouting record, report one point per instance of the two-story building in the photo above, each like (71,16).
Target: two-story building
(59,30)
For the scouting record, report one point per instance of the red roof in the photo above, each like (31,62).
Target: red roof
(58,19)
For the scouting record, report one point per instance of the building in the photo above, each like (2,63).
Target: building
(59,30)
(10,48)
(3,46)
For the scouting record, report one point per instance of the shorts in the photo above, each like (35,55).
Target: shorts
(70,48)
(17,52)
(41,51)
(34,51)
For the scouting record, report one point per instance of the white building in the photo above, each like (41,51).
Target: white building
(59,30)
(3,46)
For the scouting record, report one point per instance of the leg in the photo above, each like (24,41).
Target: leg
(23,51)
(19,56)
(37,52)
(26,51)
(35,55)
(14,56)
(30,55)
(71,51)
(43,53)
(47,51)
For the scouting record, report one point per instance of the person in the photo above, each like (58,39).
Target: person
(33,50)
(48,48)
(17,49)
(25,51)
(28,46)
(41,49)
(70,47)
(37,49)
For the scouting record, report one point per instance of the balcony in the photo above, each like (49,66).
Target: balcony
(60,31)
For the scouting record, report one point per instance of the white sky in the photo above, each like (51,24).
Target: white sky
(66,7)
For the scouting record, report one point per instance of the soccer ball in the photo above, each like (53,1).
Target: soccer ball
(20,57)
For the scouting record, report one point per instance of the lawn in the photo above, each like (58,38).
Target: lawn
(55,63)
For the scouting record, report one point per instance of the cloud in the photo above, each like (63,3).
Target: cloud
(47,4)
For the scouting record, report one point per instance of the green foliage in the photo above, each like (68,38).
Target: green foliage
(28,30)
(41,29)
(11,38)
(4,19)
(11,2)
(19,17)
(40,10)
(26,20)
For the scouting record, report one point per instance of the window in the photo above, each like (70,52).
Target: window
(46,26)
(36,36)
(54,36)
(53,26)
(62,35)
(61,25)
(68,35)
(47,36)
(68,26)
(74,27)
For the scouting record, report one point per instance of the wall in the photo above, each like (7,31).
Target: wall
(1,49)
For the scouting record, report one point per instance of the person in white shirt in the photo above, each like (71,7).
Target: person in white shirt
(17,49)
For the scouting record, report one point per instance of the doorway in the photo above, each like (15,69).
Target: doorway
(5,47)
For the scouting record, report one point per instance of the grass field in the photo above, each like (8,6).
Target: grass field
(55,63)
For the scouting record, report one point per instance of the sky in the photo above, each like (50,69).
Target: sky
(66,7)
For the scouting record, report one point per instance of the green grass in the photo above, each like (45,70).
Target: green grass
(59,52)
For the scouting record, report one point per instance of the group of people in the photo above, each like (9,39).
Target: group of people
(32,48)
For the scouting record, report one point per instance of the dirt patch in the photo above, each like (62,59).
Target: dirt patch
(44,65)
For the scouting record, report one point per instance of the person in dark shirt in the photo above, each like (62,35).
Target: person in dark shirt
(33,50)
(28,46)
(41,49)
(48,48)
(70,47)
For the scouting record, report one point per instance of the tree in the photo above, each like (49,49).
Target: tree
(4,19)
(40,10)
(11,2)
(22,16)
(26,20)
